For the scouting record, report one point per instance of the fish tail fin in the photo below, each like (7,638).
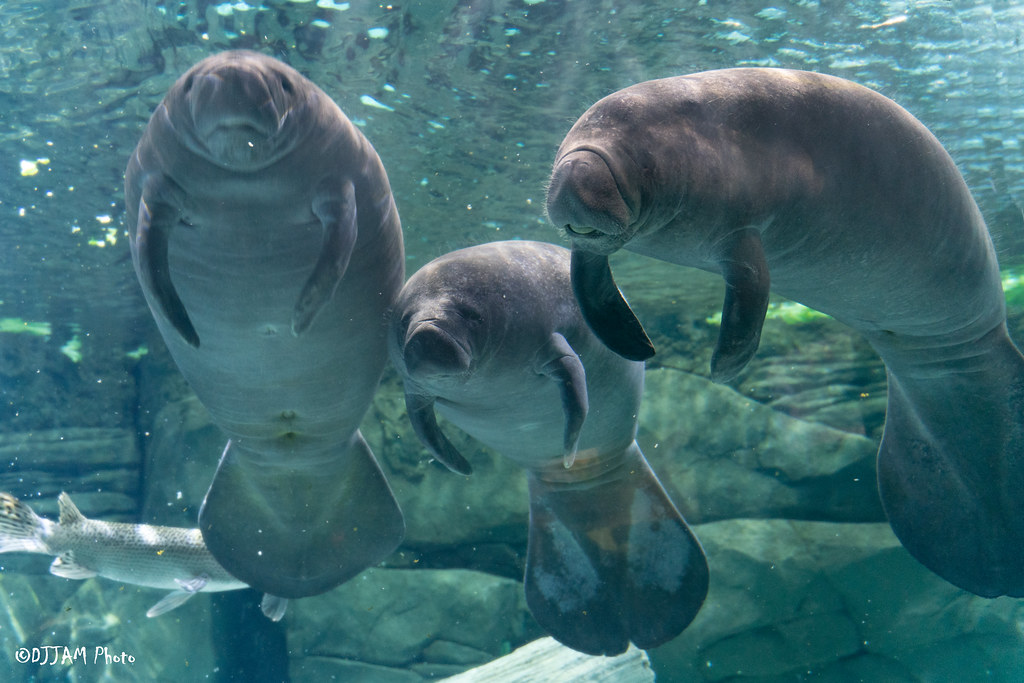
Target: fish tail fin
(21,529)
(951,469)
(612,562)
(298,529)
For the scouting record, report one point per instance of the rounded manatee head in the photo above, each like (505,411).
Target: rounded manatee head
(240,109)
(435,329)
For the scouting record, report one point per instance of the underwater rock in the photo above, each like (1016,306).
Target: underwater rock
(546,654)
(426,621)
(27,606)
(247,646)
(819,371)
(722,455)
(181,456)
(845,601)
(99,466)
(491,505)
(94,619)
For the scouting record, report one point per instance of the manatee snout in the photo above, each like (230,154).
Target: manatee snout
(233,96)
(583,197)
(430,351)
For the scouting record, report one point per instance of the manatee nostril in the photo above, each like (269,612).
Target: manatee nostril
(430,351)
(286,85)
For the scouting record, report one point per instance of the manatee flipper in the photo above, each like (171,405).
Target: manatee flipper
(560,363)
(747,284)
(424,423)
(951,470)
(158,214)
(337,214)
(611,560)
(294,529)
(604,308)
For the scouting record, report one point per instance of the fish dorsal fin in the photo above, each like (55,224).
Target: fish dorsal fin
(69,512)
(66,567)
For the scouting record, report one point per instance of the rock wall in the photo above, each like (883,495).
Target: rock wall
(807,583)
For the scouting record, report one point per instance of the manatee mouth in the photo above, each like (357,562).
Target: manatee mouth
(580,231)
(594,240)
(250,128)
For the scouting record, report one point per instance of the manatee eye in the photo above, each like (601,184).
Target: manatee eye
(469,314)
(286,85)
(188,83)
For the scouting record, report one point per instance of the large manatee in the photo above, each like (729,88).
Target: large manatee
(268,247)
(491,337)
(843,201)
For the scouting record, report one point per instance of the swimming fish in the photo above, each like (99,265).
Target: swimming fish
(140,554)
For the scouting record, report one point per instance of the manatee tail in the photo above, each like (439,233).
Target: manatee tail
(612,562)
(294,532)
(951,469)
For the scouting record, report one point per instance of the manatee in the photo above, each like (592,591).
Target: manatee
(491,338)
(268,247)
(836,197)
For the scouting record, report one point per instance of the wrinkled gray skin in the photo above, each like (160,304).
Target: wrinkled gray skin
(491,337)
(844,202)
(268,246)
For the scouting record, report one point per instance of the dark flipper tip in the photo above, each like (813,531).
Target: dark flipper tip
(157,217)
(728,360)
(605,310)
(747,288)
(424,422)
